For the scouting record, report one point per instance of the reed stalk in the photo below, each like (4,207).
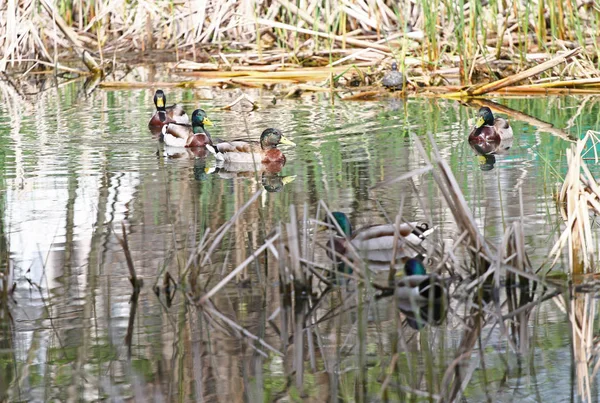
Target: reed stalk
(449,33)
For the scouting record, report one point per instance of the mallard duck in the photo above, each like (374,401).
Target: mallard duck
(244,151)
(167,114)
(393,79)
(196,135)
(375,244)
(487,147)
(490,128)
(417,286)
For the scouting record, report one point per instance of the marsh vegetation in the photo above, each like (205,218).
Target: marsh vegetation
(222,311)
(130,269)
(437,43)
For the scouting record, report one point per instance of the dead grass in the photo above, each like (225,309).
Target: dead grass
(496,42)
(579,200)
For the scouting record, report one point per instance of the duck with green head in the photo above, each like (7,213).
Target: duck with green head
(417,286)
(487,146)
(489,128)
(246,151)
(166,114)
(375,244)
(196,135)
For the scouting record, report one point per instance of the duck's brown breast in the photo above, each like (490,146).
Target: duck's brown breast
(197,140)
(273,155)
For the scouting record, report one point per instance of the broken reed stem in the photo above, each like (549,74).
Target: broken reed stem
(578,193)
(239,99)
(226,226)
(456,201)
(238,269)
(242,330)
(397,222)
(72,36)
(505,82)
(408,175)
(135,282)
(338,38)
(294,249)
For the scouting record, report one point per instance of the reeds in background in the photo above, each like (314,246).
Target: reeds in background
(484,40)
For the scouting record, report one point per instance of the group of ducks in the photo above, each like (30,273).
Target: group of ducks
(178,131)
(378,245)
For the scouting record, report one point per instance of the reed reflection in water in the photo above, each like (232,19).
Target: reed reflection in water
(75,169)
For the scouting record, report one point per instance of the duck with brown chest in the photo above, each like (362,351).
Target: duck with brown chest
(489,128)
(246,151)
(166,114)
(196,135)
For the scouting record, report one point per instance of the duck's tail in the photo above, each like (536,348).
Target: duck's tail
(423,230)
(214,151)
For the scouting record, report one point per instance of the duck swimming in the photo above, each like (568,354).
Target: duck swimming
(246,151)
(196,135)
(489,128)
(375,243)
(166,114)
(417,286)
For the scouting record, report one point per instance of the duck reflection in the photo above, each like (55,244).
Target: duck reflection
(487,149)
(274,183)
(182,156)
(270,176)
(185,153)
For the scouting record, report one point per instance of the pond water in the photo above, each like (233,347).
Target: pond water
(74,168)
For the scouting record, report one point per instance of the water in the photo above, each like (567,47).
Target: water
(75,168)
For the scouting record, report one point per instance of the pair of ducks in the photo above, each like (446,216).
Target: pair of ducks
(375,245)
(178,132)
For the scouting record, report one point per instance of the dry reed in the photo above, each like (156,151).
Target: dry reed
(496,43)
(579,198)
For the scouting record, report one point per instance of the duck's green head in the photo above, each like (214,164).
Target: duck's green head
(342,220)
(160,100)
(413,267)
(486,117)
(199,119)
(270,138)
